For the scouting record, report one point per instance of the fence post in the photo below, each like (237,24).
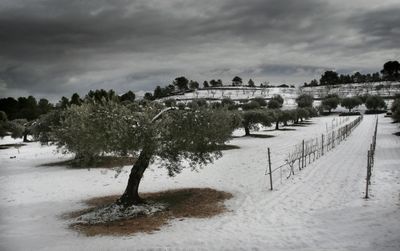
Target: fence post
(322,144)
(302,156)
(368,175)
(270,169)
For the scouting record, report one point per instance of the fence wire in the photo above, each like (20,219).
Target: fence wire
(371,159)
(297,157)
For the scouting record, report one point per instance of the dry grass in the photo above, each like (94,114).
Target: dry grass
(182,203)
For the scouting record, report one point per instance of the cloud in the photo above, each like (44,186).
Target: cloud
(379,28)
(54,47)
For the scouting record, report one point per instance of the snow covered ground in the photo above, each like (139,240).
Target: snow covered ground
(320,208)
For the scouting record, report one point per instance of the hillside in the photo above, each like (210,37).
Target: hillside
(385,89)
(239,94)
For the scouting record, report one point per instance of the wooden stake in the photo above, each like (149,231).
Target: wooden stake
(270,169)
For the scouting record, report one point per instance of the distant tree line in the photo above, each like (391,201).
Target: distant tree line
(19,116)
(182,85)
(390,72)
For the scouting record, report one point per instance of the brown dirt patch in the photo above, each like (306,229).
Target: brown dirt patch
(103,161)
(182,203)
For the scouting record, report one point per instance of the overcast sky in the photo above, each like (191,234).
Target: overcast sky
(51,48)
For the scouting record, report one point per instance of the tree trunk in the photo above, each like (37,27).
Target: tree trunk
(247,131)
(277,125)
(26,137)
(131,195)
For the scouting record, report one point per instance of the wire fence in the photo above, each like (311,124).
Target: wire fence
(371,160)
(297,157)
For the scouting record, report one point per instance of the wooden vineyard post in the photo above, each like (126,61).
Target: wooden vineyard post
(368,175)
(322,143)
(302,156)
(270,169)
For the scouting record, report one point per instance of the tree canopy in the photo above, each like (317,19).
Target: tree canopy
(171,135)
(375,103)
(237,81)
(181,83)
(252,118)
(391,70)
(304,100)
(330,102)
(351,102)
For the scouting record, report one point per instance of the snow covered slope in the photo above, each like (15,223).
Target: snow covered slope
(238,94)
(320,208)
(385,89)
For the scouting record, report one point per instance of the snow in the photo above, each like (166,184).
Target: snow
(113,212)
(319,208)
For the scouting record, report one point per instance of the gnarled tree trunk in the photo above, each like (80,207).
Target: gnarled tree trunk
(277,125)
(131,194)
(247,130)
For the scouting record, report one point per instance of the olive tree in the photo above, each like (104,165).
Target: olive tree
(330,102)
(375,103)
(304,100)
(351,102)
(283,116)
(251,119)
(395,108)
(152,132)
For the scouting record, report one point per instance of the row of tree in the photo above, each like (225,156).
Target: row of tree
(374,103)
(257,111)
(390,72)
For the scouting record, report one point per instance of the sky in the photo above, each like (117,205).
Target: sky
(54,48)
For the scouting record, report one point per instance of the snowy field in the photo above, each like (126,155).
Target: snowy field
(320,208)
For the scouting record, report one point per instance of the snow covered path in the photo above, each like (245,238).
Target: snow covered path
(320,208)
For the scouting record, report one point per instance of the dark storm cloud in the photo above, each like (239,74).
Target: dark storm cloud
(59,47)
(379,28)
(265,21)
